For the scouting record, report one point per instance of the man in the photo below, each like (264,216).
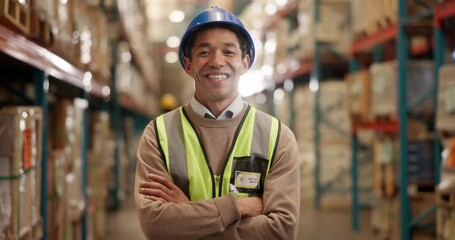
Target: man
(217,168)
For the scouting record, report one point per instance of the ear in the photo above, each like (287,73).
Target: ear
(187,65)
(245,63)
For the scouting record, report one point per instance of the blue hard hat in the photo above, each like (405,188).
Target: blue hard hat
(219,17)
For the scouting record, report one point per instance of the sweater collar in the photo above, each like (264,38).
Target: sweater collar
(231,111)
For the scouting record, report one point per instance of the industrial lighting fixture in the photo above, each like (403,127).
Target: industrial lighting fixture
(173,41)
(176,16)
(171,57)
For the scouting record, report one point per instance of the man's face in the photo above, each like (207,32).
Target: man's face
(216,65)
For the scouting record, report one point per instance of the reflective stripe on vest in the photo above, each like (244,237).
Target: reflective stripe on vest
(186,160)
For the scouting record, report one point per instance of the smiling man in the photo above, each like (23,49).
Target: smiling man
(217,168)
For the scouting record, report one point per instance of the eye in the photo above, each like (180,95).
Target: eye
(203,53)
(229,53)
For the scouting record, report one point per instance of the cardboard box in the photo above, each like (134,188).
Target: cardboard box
(445,114)
(359,95)
(20,157)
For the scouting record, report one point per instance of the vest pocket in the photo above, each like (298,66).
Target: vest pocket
(248,175)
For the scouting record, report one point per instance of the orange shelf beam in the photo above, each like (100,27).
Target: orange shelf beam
(376,38)
(443,11)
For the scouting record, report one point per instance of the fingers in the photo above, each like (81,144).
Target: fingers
(162,180)
(154,195)
(154,199)
(155,190)
(162,188)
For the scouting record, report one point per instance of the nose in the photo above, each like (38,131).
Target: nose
(217,59)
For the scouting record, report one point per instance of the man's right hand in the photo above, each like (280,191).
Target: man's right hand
(249,206)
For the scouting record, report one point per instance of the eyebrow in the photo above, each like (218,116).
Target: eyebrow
(207,45)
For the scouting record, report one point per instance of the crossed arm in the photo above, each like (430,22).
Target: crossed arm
(165,212)
(161,189)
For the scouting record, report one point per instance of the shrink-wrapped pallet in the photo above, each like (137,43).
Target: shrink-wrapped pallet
(20,174)
(445,115)
(359,95)
(384,89)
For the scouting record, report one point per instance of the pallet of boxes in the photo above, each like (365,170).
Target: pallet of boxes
(373,98)
(20,172)
(66,201)
(445,191)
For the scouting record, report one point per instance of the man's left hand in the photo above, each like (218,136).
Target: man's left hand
(161,189)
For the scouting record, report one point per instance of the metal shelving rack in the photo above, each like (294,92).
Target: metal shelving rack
(312,68)
(316,79)
(45,64)
(442,12)
(120,108)
(399,34)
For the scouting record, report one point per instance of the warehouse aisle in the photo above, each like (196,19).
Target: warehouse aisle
(331,224)
(314,225)
(123,223)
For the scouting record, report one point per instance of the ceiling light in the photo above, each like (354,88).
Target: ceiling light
(261,98)
(288,85)
(171,57)
(270,9)
(173,41)
(176,16)
(281,3)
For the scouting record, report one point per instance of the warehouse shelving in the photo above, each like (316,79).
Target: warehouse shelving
(321,49)
(312,71)
(399,33)
(45,64)
(122,105)
(48,68)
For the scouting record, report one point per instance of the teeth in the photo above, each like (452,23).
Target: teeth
(217,76)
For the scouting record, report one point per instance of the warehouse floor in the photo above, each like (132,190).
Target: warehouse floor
(314,224)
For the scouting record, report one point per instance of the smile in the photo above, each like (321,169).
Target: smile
(217,77)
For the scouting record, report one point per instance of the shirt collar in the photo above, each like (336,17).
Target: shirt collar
(231,111)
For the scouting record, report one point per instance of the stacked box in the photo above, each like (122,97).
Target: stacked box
(335,135)
(445,114)
(383,89)
(385,216)
(445,223)
(421,162)
(101,57)
(385,162)
(335,165)
(304,114)
(16,14)
(101,160)
(359,95)
(420,81)
(359,10)
(56,194)
(332,27)
(68,138)
(335,126)
(83,41)
(282,107)
(63,39)
(20,174)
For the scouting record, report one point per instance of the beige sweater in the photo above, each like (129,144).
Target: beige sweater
(219,218)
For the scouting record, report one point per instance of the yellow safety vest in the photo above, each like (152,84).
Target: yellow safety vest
(247,162)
